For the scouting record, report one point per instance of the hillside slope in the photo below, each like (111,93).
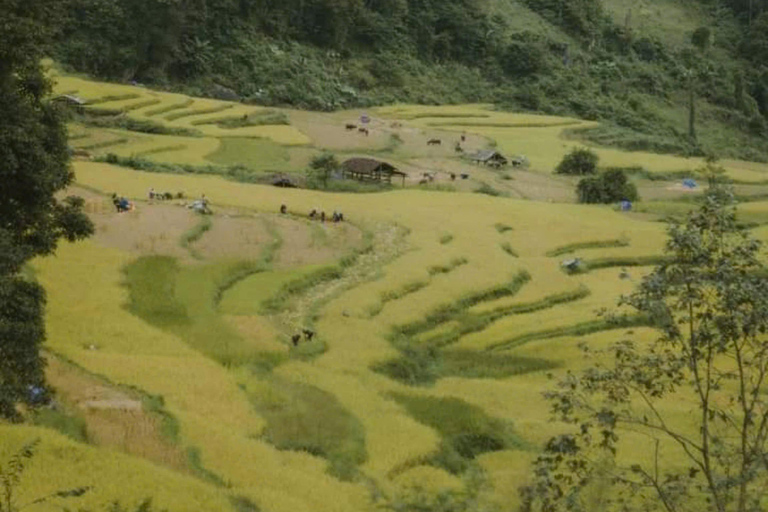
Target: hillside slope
(631,63)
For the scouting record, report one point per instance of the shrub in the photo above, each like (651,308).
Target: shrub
(579,162)
(609,187)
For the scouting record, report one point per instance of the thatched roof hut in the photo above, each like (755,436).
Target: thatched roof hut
(368,169)
(489,157)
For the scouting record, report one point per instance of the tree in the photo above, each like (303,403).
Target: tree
(608,187)
(579,162)
(323,166)
(709,303)
(34,166)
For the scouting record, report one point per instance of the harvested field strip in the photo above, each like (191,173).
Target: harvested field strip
(581,329)
(169,108)
(597,244)
(189,113)
(247,296)
(301,417)
(466,430)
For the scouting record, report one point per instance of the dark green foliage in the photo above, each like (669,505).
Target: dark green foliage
(702,38)
(707,302)
(608,187)
(322,167)
(579,162)
(424,366)
(305,418)
(467,431)
(69,424)
(34,166)
(598,244)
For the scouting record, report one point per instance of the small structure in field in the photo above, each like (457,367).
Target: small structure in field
(489,157)
(70,100)
(283,181)
(368,169)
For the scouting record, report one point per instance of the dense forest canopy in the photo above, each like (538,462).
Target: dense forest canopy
(555,56)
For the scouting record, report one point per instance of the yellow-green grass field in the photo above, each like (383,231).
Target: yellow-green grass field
(196,389)
(542,140)
(343,422)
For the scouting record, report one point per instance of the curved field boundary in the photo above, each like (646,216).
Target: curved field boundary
(619,261)
(449,312)
(142,104)
(169,108)
(415,286)
(596,244)
(113,98)
(201,112)
(581,329)
(472,323)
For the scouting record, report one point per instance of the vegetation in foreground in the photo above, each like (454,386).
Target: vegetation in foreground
(708,304)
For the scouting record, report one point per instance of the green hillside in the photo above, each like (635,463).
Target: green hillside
(635,64)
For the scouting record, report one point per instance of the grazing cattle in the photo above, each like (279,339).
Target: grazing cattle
(363,130)
(308,335)
(434,142)
(350,127)
(295,339)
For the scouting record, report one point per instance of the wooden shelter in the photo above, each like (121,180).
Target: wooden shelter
(368,169)
(489,157)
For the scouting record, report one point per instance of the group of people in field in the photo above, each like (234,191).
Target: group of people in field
(317,214)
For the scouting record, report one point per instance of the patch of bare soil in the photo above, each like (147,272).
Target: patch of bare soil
(314,243)
(149,229)
(114,418)
(234,238)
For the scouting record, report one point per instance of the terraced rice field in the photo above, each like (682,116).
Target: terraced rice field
(436,317)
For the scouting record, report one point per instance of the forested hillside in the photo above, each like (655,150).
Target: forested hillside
(636,64)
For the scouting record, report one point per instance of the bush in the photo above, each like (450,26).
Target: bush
(609,187)
(579,162)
